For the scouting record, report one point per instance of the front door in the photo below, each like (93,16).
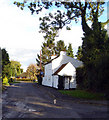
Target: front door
(61,82)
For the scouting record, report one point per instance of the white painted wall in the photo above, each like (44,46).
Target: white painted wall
(63,59)
(69,70)
(47,79)
(66,83)
(72,83)
(48,69)
(55,81)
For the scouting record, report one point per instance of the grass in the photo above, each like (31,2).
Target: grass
(83,94)
(15,82)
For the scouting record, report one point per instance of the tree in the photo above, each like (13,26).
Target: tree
(32,71)
(79,53)
(21,70)
(95,38)
(5,64)
(70,51)
(94,51)
(47,52)
(48,46)
(86,10)
(15,68)
(60,46)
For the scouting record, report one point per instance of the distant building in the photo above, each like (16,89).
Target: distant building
(60,72)
(22,75)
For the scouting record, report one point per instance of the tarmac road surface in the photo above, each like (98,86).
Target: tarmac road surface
(30,100)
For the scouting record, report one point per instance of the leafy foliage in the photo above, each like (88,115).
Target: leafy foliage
(95,54)
(48,46)
(5,64)
(95,46)
(70,51)
(60,46)
(5,81)
(16,68)
(79,53)
(32,71)
(47,52)
(72,11)
(9,68)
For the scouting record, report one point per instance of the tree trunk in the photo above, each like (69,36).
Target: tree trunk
(85,26)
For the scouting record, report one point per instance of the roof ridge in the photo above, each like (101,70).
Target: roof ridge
(60,68)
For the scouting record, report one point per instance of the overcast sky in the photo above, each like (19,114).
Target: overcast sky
(19,33)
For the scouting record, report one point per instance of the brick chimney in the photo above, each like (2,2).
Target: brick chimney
(53,56)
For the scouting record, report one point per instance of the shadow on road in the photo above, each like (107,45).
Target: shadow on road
(30,100)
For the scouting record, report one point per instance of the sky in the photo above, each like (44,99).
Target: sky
(19,33)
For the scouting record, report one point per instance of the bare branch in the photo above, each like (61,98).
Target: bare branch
(85,6)
(98,5)
(72,5)
(91,7)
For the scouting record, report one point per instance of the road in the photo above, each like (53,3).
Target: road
(29,100)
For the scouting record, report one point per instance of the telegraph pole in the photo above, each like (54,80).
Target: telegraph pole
(40,76)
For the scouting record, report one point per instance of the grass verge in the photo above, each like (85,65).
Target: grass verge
(15,82)
(82,94)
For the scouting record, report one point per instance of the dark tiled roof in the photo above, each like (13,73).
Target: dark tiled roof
(60,68)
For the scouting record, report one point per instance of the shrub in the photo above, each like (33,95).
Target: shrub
(5,81)
(11,80)
(80,73)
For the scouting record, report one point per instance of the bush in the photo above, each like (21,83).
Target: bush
(5,81)
(94,76)
(80,73)
(11,80)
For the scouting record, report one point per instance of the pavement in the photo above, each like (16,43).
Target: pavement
(30,100)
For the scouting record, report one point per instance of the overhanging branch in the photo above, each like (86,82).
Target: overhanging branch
(105,23)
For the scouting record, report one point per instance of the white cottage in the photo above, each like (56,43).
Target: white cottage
(60,72)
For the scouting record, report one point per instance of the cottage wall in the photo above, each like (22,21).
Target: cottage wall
(69,72)
(52,80)
(70,84)
(47,79)
(55,81)
(48,69)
